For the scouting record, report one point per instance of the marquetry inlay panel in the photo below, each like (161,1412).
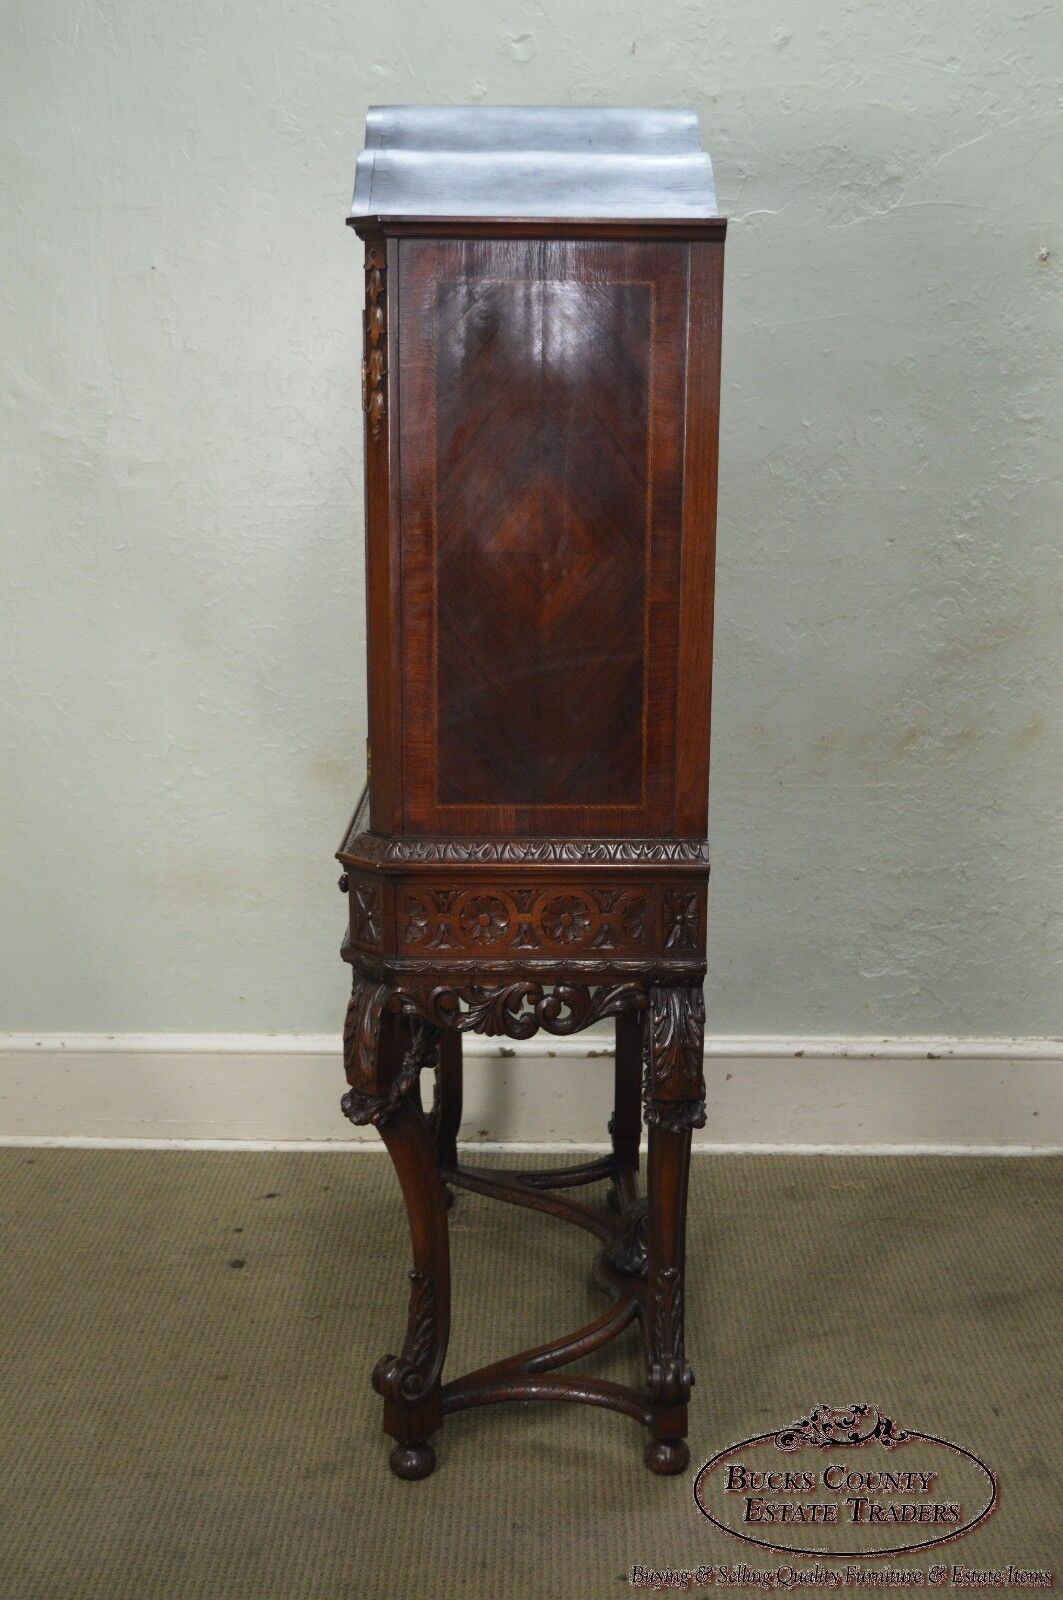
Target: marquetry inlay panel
(540,618)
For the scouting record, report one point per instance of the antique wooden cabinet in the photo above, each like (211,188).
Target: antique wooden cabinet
(540,387)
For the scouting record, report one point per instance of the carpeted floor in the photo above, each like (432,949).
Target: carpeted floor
(187,1339)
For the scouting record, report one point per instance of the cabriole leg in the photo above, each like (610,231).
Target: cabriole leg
(625,1124)
(675,1105)
(448,1102)
(384,1055)
(436,1050)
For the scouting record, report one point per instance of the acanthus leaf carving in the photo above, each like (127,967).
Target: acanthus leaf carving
(670,1377)
(409,1376)
(361,1032)
(628,1252)
(367,1101)
(673,1058)
(675,1116)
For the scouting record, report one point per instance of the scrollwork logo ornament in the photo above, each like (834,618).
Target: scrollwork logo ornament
(828,1425)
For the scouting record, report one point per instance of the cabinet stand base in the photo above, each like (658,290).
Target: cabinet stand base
(392,1035)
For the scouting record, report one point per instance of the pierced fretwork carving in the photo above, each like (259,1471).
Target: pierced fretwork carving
(520,1009)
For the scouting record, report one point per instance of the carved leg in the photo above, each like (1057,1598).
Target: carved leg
(384,1056)
(625,1124)
(448,1102)
(436,1049)
(444,1057)
(410,1383)
(675,1104)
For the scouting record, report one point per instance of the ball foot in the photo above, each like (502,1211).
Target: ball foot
(667,1456)
(412,1460)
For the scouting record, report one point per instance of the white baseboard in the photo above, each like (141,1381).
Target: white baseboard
(763,1093)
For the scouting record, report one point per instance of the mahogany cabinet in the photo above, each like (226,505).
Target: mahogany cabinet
(540,390)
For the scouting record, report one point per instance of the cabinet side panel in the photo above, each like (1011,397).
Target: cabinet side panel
(543,390)
(542,473)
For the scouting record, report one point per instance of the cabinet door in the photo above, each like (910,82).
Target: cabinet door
(541,415)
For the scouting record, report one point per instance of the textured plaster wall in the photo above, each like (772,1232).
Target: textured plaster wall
(183,715)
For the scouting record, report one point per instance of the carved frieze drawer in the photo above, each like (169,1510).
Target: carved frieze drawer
(543,919)
(495,919)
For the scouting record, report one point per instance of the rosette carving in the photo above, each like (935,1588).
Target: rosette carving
(566,919)
(483,919)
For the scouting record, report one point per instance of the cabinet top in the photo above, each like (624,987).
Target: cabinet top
(532,161)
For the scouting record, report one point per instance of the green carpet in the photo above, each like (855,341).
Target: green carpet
(185,1408)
